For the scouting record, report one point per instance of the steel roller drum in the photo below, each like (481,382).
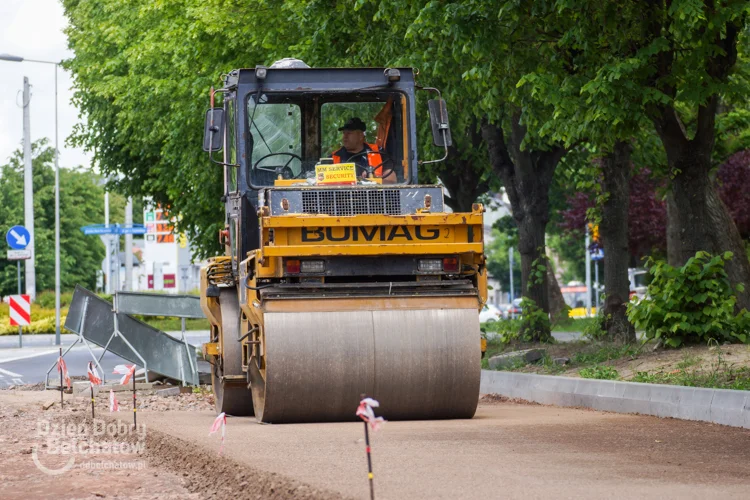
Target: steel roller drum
(419,364)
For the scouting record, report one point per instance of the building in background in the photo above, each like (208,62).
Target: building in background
(162,260)
(167,257)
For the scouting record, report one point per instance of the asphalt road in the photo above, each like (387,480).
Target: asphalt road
(29,364)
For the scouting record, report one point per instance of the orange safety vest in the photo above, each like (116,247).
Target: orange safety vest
(373,158)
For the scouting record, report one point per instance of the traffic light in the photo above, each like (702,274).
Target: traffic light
(594,233)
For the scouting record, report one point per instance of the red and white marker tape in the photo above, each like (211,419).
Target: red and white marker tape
(113,404)
(366,413)
(220,423)
(93,374)
(63,368)
(127,372)
(20,310)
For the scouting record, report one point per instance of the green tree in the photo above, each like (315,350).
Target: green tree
(81,203)
(674,63)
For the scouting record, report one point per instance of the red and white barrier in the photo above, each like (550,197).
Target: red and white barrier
(93,374)
(20,310)
(126,372)
(63,368)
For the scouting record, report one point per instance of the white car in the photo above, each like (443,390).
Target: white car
(489,313)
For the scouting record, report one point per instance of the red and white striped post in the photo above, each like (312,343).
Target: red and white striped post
(20,314)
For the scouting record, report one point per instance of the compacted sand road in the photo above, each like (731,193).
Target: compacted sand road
(507,451)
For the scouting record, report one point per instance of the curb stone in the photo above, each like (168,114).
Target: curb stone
(720,406)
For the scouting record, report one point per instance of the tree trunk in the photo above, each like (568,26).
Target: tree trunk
(700,221)
(531,231)
(673,232)
(614,234)
(526,176)
(558,309)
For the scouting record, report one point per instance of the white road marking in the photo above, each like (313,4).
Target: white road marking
(10,373)
(26,356)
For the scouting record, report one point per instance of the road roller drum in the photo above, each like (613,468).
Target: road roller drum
(419,364)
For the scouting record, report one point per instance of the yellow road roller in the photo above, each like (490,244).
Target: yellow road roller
(342,275)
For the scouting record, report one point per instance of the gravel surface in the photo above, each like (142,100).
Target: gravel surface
(509,450)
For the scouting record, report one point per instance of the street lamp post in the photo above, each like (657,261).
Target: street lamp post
(11,58)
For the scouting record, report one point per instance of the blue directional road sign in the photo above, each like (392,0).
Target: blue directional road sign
(114,229)
(18,237)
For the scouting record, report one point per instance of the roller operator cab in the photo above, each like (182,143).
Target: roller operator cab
(342,275)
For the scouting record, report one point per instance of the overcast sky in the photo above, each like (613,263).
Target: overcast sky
(33,29)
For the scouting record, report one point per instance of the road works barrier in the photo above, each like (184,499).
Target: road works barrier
(720,406)
(112,327)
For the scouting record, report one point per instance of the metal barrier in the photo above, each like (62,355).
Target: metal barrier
(110,326)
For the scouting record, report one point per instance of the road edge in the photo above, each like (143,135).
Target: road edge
(719,406)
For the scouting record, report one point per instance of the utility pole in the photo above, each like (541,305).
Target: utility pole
(588,273)
(510,258)
(57,225)
(596,284)
(28,192)
(108,239)
(30,227)
(129,246)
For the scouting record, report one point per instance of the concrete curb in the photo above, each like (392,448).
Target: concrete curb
(720,406)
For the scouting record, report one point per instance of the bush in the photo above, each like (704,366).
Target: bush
(594,329)
(535,324)
(46,299)
(532,326)
(45,325)
(690,304)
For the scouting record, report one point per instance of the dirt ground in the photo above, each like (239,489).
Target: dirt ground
(33,428)
(508,450)
(648,360)
(22,430)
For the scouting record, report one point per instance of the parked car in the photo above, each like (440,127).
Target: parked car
(489,313)
(514,309)
(639,279)
(504,310)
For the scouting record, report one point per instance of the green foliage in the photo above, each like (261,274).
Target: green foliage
(81,203)
(601,353)
(535,324)
(594,329)
(691,304)
(600,372)
(506,330)
(572,325)
(507,227)
(47,299)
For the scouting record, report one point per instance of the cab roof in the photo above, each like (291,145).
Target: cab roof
(321,79)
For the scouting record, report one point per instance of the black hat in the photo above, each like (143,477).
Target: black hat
(354,124)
